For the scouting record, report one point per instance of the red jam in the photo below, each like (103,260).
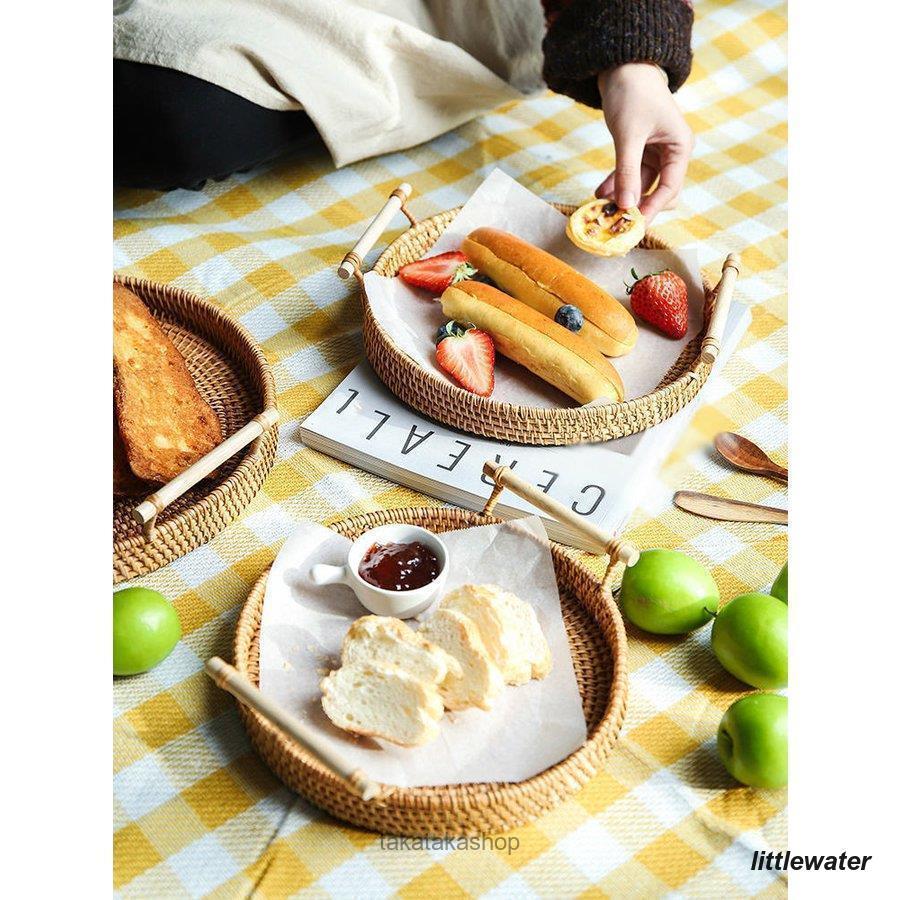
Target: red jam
(399,567)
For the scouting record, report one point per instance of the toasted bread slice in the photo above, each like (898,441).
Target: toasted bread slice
(480,680)
(125,482)
(382,702)
(386,641)
(165,424)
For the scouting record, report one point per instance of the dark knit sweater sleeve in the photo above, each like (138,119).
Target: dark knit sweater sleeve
(584,37)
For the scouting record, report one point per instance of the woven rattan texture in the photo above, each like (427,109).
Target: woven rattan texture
(232,375)
(458,408)
(196,811)
(597,640)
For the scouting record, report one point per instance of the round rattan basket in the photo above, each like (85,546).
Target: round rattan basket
(233,376)
(598,645)
(451,405)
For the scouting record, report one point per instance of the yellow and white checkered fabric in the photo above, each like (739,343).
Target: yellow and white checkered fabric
(196,812)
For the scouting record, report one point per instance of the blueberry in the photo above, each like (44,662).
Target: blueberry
(451,329)
(570,317)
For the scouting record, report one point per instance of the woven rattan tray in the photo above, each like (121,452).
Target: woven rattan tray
(458,408)
(233,376)
(597,641)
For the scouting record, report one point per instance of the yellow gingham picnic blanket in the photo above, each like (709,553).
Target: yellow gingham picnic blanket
(196,812)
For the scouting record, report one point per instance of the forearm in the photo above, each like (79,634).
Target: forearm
(587,37)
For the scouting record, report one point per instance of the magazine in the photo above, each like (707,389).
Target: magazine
(362,423)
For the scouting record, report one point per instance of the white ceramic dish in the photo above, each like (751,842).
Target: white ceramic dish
(402,604)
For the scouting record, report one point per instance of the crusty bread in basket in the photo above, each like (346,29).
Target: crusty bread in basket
(233,377)
(598,647)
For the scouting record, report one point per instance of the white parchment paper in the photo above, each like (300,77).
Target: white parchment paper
(412,316)
(529,728)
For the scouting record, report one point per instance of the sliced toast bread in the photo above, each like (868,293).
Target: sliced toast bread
(526,633)
(382,702)
(164,423)
(390,642)
(508,627)
(478,602)
(125,482)
(480,680)
(395,682)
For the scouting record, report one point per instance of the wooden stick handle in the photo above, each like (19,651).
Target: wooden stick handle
(779,472)
(352,262)
(726,510)
(712,343)
(504,477)
(229,679)
(147,511)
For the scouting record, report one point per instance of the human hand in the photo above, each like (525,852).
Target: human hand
(650,135)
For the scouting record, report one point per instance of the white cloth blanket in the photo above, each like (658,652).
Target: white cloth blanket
(375,76)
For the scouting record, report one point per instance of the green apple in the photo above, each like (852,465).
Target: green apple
(753,740)
(145,630)
(750,639)
(780,587)
(667,592)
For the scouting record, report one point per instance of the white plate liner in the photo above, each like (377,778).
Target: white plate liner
(412,316)
(530,727)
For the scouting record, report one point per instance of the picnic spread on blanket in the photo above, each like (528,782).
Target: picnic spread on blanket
(536,720)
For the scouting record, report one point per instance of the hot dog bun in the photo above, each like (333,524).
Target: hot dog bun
(545,283)
(528,337)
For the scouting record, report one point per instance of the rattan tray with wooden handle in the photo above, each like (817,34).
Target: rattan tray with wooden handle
(451,405)
(598,646)
(233,376)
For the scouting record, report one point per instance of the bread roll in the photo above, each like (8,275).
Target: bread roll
(528,337)
(545,283)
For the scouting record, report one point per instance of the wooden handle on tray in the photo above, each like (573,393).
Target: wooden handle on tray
(352,262)
(712,343)
(229,679)
(504,477)
(147,511)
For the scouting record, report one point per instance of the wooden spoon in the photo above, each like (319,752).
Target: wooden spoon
(744,454)
(729,510)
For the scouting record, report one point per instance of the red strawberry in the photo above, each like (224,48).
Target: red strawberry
(467,354)
(661,300)
(437,273)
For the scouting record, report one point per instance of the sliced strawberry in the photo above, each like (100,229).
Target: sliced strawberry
(437,273)
(467,354)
